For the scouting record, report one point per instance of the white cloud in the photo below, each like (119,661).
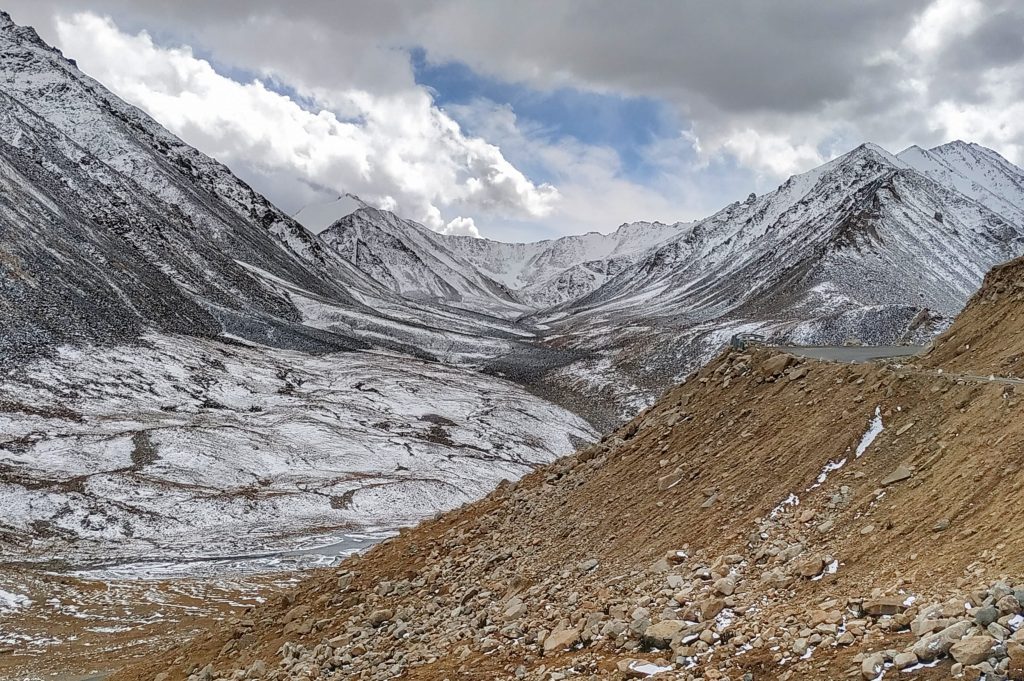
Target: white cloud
(940,22)
(395,150)
(461,225)
(791,85)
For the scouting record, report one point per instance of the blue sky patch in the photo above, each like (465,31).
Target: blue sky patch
(625,124)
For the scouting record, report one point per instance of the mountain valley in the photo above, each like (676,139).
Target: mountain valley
(240,444)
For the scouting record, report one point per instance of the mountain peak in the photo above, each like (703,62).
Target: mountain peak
(873,151)
(8,27)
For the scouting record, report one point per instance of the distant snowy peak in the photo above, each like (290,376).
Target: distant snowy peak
(487,275)
(976,172)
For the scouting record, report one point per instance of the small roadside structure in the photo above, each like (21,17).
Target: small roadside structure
(742,341)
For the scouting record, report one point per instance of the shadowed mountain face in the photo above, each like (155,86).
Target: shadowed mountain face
(110,225)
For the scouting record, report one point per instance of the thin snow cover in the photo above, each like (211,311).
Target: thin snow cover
(920,665)
(791,500)
(1015,622)
(826,469)
(830,569)
(9,602)
(874,429)
(187,454)
(648,668)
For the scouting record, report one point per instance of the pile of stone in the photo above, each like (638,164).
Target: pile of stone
(983,633)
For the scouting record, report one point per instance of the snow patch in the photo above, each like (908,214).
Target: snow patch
(874,430)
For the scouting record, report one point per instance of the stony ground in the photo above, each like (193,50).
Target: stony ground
(770,518)
(67,628)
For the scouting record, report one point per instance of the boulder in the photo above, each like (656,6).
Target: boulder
(379,617)
(775,366)
(810,567)
(897,475)
(936,645)
(884,606)
(904,660)
(295,613)
(986,616)
(560,639)
(660,635)
(972,650)
(726,585)
(872,666)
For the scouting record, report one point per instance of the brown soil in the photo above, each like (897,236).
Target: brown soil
(749,438)
(987,338)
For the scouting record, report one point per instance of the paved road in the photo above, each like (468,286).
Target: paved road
(852,353)
(870,353)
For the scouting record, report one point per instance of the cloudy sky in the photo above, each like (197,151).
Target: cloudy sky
(531,119)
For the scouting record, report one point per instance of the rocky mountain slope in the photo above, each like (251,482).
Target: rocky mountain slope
(180,375)
(112,227)
(869,247)
(769,518)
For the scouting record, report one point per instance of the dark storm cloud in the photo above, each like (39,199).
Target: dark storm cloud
(740,55)
(767,88)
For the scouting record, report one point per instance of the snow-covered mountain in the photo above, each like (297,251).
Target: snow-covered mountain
(169,350)
(506,279)
(871,246)
(112,226)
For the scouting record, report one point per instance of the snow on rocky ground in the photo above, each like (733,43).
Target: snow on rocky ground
(181,449)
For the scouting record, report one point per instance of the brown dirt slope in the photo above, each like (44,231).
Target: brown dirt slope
(701,537)
(988,337)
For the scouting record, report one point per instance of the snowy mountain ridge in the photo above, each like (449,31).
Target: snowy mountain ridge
(871,246)
(581,269)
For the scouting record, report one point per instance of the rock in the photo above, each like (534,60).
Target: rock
(295,613)
(660,635)
(972,650)
(936,645)
(588,565)
(872,666)
(941,525)
(1008,605)
(775,366)
(884,606)
(726,585)
(797,374)
(867,529)
(799,647)
(710,609)
(897,475)
(671,480)
(257,670)
(985,616)
(379,617)
(810,567)
(162,676)
(489,644)
(560,639)
(514,609)
(904,660)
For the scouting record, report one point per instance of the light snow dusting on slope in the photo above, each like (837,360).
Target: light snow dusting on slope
(192,448)
(9,602)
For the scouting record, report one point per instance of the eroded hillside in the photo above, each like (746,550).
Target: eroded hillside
(770,516)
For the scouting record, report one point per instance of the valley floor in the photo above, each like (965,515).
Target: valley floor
(150,490)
